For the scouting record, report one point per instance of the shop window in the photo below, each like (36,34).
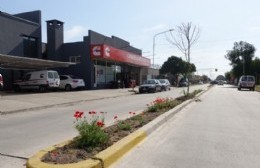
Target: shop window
(74,59)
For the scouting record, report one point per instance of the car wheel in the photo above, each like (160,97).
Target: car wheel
(68,88)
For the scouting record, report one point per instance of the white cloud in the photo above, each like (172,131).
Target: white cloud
(75,33)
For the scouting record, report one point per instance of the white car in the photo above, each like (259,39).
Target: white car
(70,82)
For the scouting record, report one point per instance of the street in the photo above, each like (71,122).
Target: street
(25,133)
(221,130)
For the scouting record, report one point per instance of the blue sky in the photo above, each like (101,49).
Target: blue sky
(222,23)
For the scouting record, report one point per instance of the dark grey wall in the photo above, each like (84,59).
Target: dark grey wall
(84,69)
(97,38)
(13,28)
(34,16)
(54,39)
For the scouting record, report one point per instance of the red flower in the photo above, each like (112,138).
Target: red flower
(115,117)
(133,113)
(78,114)
(100,123)
(92,112)
(130,112)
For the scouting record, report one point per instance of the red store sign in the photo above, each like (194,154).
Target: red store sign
(110,53)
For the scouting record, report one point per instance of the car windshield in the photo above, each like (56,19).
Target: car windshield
(250,78)
(244,78)
(149,82)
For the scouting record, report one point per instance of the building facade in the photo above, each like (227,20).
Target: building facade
(20,35)
(103,62)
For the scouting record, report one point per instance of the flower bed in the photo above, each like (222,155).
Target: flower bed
(93,138)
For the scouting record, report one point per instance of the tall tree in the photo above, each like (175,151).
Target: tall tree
(241,58)
(186,36)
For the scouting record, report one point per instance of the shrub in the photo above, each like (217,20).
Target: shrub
(90,130)
(124,126)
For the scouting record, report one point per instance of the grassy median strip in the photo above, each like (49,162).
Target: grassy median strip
(257,88)
(104,145)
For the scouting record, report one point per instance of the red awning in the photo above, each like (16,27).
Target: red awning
(110,53)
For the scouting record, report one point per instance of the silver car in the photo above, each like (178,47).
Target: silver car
(165,84)
(246,81)
(150,85)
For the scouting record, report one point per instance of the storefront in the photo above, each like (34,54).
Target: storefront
(115,68)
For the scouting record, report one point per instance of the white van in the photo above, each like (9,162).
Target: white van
(38,80)
(246,81)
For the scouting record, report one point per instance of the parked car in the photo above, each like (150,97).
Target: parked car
(1,82)
(183,82)
(201,82)
(165,84)
(38,80)
(246,81)
(220,82)
(69,82)
(150,85)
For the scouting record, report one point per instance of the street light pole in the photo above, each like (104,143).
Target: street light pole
(243,65)
(154,41)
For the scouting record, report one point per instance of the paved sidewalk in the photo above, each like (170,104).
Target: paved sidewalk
(18,102)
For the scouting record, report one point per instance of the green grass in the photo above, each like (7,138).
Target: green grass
(257,88)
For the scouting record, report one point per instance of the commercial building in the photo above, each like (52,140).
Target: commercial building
(103,62)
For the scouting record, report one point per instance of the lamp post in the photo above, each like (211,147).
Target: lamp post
(154,41)
(243,57)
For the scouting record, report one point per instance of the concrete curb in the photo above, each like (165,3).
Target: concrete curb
(104,158)
(114,152)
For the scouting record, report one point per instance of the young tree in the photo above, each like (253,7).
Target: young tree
(186,36)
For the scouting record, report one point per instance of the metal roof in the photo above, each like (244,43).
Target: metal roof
(25,63)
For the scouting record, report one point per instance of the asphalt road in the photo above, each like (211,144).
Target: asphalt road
(221,130)
(23,134)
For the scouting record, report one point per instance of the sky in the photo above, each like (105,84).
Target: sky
(221,23)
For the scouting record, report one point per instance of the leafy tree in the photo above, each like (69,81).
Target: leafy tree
(228,76)
(205,78)
(220,77)
(241,58)
(174,66)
